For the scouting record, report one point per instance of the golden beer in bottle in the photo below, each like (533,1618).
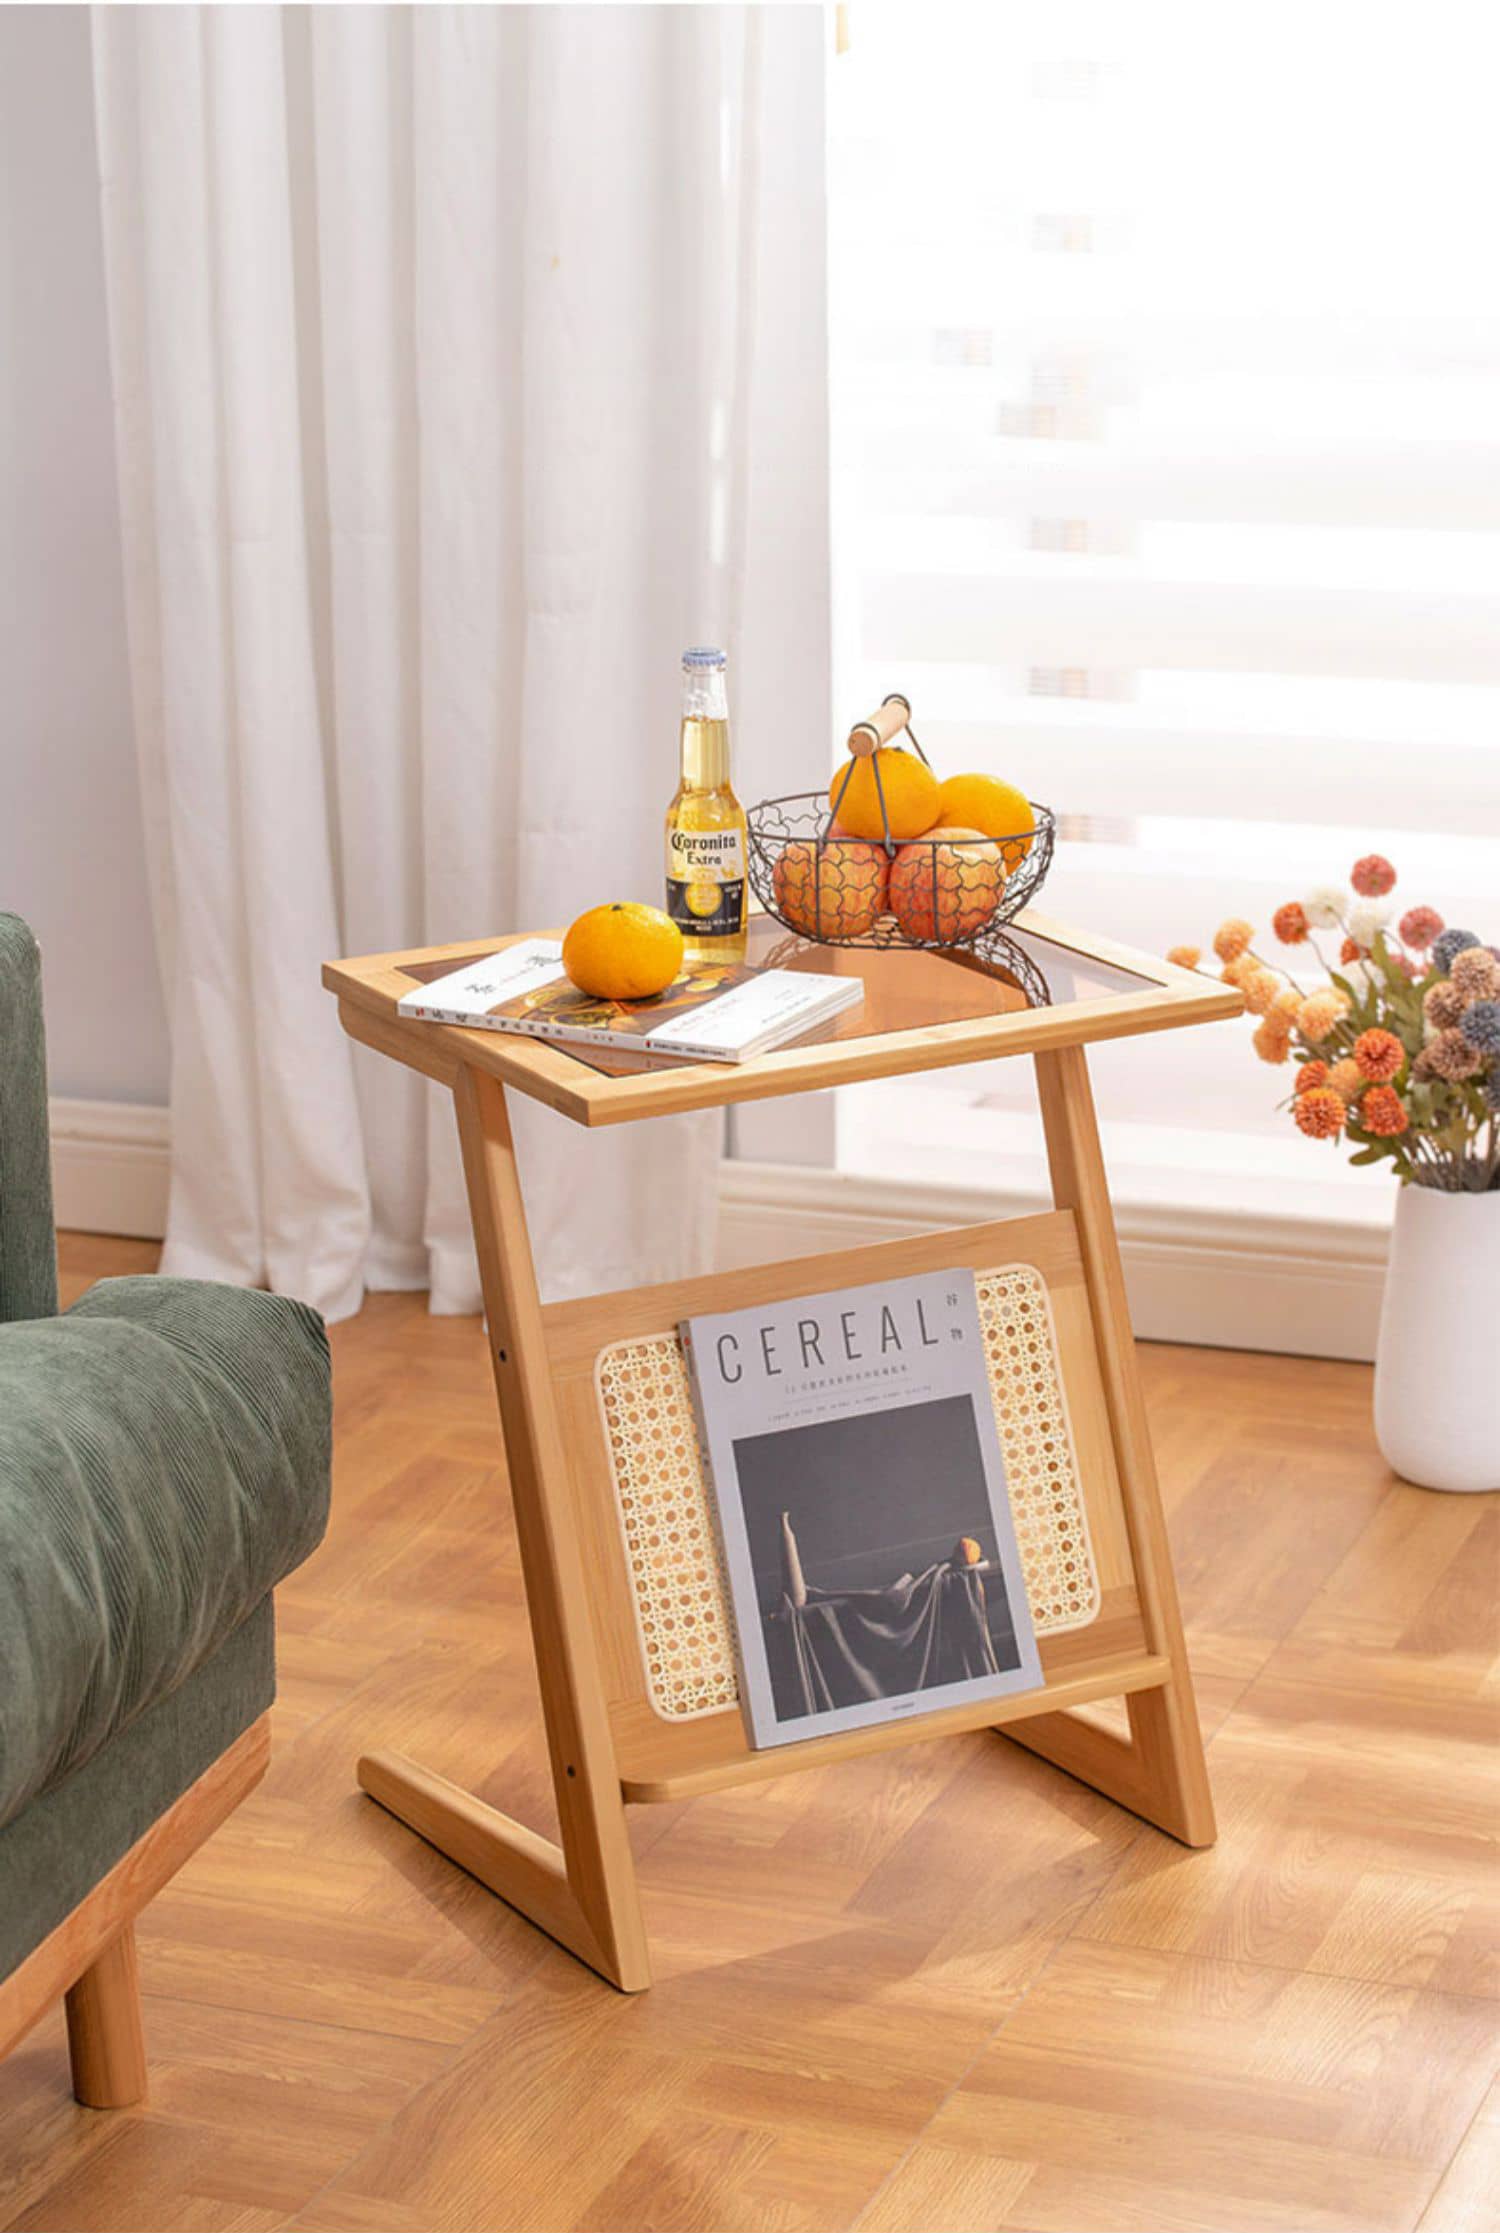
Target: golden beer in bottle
(706,870)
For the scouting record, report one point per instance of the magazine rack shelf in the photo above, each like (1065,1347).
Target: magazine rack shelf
(610,1746)
(667,1535)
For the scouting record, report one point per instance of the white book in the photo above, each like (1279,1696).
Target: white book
(716,1013)
(467,994)
(772,1006)
(859,1488)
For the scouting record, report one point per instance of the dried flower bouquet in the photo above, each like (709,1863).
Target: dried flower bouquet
(1398,1048)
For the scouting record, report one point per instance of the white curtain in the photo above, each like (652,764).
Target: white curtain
(439,341)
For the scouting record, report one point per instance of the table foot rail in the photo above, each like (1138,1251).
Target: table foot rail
(526,1870)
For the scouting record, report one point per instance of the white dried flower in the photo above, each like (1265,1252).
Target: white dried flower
(1361,977)
(1365,918)
(1325,906)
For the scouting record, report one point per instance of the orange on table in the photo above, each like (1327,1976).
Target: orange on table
(946,885)
(989,804)
(909,787)
(622,951)
(832,889)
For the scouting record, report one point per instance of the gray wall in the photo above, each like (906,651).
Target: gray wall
(71,847)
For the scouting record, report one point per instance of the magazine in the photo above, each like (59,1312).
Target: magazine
(714,1012)
(859,1488)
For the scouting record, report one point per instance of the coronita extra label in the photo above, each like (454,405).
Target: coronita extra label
(706,881)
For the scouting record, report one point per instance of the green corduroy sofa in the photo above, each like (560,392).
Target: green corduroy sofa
(164,1462)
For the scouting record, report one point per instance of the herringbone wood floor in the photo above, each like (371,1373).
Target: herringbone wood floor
(937,1991)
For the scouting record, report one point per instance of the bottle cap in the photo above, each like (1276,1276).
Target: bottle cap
(703,656)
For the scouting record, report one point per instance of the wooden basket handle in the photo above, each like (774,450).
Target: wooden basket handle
(867,737)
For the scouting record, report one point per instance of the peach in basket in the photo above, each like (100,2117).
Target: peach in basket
(946,885)
(831,888)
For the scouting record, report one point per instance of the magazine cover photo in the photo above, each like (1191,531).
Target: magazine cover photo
(893,1611)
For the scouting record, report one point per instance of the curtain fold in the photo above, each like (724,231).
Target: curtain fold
(438,418)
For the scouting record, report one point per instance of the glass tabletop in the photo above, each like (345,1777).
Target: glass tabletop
(909,987)
(906,987)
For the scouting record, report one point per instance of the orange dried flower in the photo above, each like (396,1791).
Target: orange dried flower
(1321,1013)
(1185,957)
(1290,923)
(1320,1114)
(1350,950)
(1232,937)
(1383,1112)
(1379,1054)
(1271,1042)
(1287,1002)
(1260,987)
(1346,1078)
(1314,1073)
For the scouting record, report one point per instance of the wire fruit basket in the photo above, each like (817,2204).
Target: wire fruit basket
(933,891)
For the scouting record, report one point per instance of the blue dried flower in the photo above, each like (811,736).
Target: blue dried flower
(1451,942)
(1492,1087)
(1480,1025)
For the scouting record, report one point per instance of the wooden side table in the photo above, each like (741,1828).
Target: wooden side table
(610,1741)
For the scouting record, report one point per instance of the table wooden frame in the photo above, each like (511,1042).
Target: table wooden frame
(607,1747)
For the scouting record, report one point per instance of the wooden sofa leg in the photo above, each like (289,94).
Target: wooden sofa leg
(105,2041)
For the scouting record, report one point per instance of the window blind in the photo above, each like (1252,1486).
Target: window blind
(1166,405)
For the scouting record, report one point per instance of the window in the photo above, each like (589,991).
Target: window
(1166,411)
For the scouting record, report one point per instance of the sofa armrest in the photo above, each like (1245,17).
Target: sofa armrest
(28,1245)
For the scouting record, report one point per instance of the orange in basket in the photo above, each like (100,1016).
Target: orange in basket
(906,800)
(988,804)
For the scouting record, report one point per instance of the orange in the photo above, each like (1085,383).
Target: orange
(909,786)
(989,804)
(831,890)
(623,951)
(947,885)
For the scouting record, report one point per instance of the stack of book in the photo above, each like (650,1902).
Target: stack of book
(715,1012)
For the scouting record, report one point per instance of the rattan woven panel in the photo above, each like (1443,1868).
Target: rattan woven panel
(681,1603)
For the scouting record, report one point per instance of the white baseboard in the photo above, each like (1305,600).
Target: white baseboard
(110,1162)
(1233,1281)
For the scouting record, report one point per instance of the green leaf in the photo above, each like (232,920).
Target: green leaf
(1396,978)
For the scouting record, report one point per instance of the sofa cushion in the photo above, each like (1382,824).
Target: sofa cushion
(164,1453)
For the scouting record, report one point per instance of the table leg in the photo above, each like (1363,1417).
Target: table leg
(582,1892)
(1160,1774)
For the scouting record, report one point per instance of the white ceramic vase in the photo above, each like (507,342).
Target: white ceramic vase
(1437,1365)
